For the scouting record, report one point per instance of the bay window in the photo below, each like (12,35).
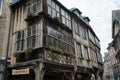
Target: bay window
(66,18)
(34,6)
(54,11)
(30,37)
(60,40)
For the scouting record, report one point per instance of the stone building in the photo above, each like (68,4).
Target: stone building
(116,42)
(50,42)
(108,71)
(4,17)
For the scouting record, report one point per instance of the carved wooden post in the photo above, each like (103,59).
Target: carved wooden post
(39,71)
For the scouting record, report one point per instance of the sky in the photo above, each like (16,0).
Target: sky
(100,14)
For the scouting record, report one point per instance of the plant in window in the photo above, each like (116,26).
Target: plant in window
(71,54)
(16,54)
(56,50)
(29,14)
(28,52)
(57,18)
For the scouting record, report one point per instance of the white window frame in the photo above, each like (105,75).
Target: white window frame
(1,7)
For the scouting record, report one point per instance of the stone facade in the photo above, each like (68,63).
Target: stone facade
(116,42)
(4,19)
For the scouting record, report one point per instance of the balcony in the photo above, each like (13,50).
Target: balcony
(33,8)
(46,55)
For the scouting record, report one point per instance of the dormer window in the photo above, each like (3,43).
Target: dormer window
(77,13)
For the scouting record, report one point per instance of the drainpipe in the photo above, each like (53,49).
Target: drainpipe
(8,41)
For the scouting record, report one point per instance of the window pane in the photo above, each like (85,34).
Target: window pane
(22,34)
(62,12)
(55,42)
(29,11)
(83,33)
(66,15)
(18,45)
(33,30)
(49,2)
(19,36)
(58,14)
(57,8)
(34,8)
(33,41)
(29,31)
(49,10)
(53,4)
(64,47)
(49,41)
(60,44)
(85,52)
(22,44)
(53,13)
(79,52)
(39,5)
(76,28)
(63,20)
(69,24)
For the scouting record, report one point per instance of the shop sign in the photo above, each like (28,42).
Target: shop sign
(20,71)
